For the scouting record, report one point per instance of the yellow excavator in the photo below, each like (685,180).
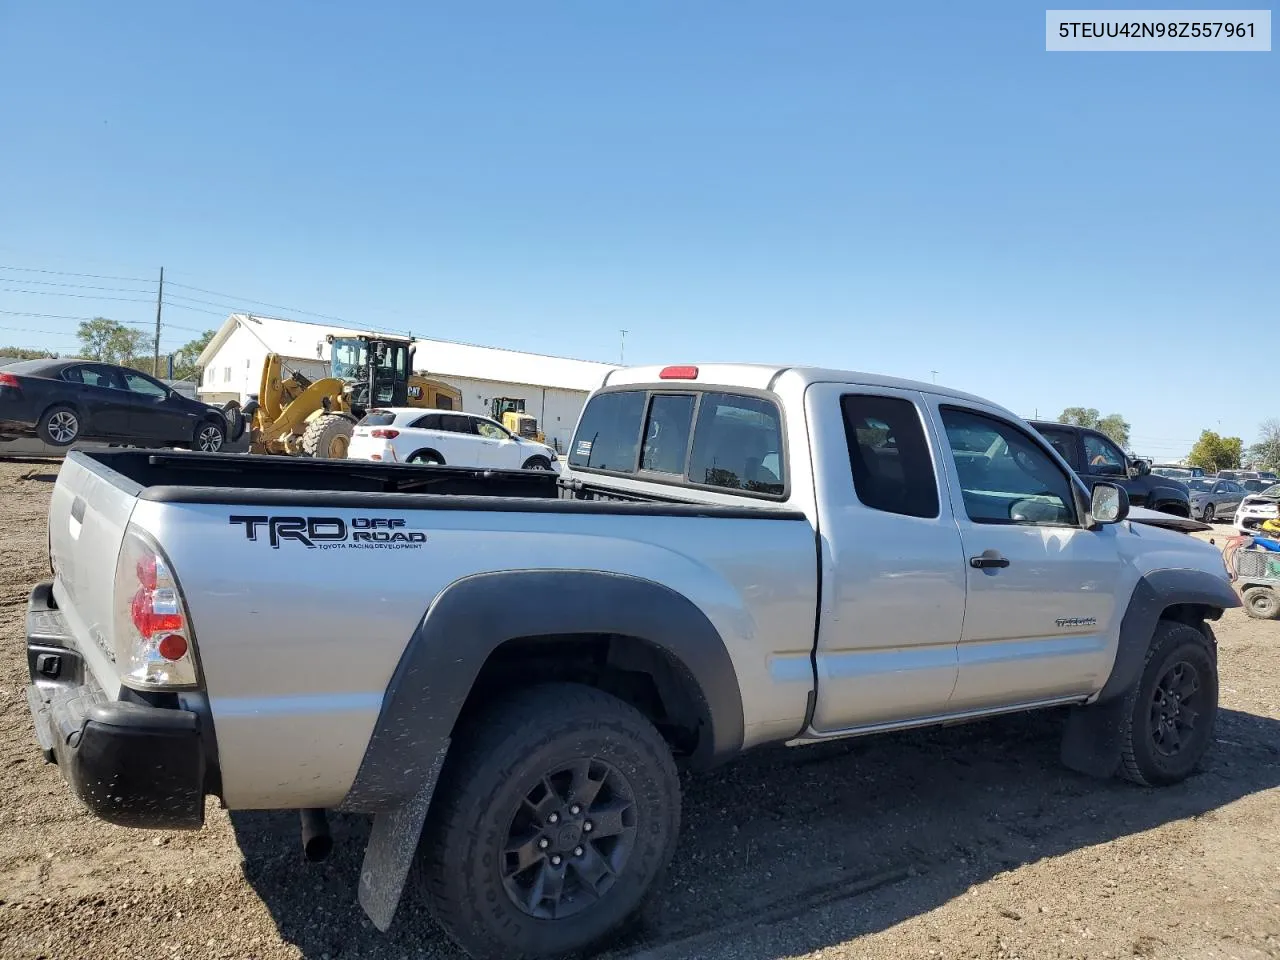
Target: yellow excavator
(509,411)
(295,415)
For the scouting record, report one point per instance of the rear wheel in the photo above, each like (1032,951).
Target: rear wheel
(1170,713)
(1261,603)
(536,463)
(427,458)
(209,437)
(328,437)
(59,426)
(555,814)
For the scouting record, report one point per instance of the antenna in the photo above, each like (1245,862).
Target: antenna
(622,348)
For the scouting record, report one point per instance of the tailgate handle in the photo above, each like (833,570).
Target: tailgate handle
(77,510)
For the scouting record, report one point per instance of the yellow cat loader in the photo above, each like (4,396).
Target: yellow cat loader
(295,415)
(509,411)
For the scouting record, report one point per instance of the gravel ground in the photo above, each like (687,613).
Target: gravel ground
(968,842)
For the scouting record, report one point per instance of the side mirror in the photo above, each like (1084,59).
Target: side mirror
(1141,468)
(1109,504)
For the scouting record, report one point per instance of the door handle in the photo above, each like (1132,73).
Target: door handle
(989,559)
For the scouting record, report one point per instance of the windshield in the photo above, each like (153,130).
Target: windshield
(1198,484)
(349,359)
(1173,473)
(1271,491)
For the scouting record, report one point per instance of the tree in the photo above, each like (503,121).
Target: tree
(185,357)
(1113,425)
(1213,453)
(112,342)
(26,353)
(1266,452)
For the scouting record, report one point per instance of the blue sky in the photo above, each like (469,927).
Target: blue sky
(899,188)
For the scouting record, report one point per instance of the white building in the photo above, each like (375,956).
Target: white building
(553,388)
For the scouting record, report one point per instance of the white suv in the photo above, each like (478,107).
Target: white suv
(446,437)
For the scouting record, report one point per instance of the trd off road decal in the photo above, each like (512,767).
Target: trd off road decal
(333,533)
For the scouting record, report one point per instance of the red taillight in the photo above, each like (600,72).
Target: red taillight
(679,373)
(154,646)
(384,434)
(151,613)
(9,380)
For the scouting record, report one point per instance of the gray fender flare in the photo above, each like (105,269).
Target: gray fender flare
(1091,740)
(465,623)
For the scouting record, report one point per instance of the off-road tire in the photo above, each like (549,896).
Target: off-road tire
(536,463)
(54,425)
(1261,603)
(1143,760)
(328,437)
(493,766)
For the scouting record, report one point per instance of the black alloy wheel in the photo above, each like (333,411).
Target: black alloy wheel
(570,838)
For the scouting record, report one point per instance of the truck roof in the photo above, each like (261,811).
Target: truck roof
(763,376)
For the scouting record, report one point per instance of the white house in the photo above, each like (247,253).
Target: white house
(553,388)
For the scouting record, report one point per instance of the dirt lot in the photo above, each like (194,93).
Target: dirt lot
(965,842)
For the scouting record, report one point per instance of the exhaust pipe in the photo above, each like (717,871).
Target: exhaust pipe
(317,842)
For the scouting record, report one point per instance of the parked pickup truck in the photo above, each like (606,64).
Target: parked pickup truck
(505,669)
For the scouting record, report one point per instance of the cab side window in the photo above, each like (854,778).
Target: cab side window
(889,455)
(1063,441)
(1005,476)
(1103,456)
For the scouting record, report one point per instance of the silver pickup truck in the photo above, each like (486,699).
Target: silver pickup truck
(505,669)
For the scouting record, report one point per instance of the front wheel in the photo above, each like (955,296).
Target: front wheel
(556,813)
(536,463)
(1261,603)
(1170,713)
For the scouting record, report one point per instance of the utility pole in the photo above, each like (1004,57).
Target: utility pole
(622,349)
(155,366)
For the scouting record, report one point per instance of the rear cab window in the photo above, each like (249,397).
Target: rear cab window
(697,438)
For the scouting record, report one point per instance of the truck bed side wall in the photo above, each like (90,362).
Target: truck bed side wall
(299,643)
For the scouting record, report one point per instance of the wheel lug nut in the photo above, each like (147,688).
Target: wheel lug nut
(544,843)
(575,810)
(555,861)
(577,851)
(588,827)
(554,818)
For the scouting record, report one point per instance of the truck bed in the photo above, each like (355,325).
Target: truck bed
(247,479)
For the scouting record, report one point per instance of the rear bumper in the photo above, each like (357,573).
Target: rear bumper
(130,763)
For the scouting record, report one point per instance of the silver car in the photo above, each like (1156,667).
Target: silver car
(1212,499)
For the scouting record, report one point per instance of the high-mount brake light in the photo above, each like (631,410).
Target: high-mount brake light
(384,434)
(679,373)
(153,640)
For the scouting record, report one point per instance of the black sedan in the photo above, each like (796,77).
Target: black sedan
(62,401)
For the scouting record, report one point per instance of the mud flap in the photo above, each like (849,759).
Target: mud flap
(1091,740)
(392,845)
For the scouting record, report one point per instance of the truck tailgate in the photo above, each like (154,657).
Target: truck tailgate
(89,511)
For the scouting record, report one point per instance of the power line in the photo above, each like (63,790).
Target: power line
(183,306)
(68,273)
(75,286)
(261,303)
(78,296)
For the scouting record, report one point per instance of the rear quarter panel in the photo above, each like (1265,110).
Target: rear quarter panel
(297,645)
